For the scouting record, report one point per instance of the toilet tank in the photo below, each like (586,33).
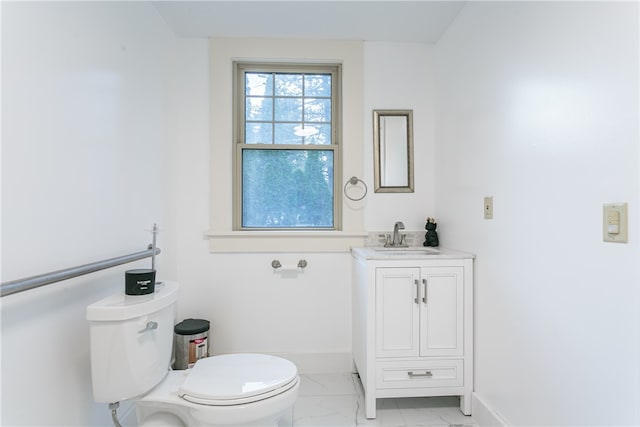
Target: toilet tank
(131,342)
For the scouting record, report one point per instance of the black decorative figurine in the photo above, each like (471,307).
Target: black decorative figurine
(431,236)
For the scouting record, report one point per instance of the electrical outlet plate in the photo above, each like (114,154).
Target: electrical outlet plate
(614,222)
(488,207)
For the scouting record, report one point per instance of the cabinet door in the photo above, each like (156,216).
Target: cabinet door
(441,311)
(397,312)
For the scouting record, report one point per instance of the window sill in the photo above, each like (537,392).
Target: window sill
(283,241)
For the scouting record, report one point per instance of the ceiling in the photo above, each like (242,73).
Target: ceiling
(399,21)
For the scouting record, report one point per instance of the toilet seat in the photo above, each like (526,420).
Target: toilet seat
(235,379)
(229,402)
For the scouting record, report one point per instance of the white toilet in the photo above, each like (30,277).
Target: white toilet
(131,343)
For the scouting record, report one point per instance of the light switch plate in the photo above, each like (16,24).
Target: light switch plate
(488,207)
(613,213)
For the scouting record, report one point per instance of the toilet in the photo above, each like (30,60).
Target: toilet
(131,347)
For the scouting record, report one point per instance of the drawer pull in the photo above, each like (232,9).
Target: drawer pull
(427,374)
(417,298)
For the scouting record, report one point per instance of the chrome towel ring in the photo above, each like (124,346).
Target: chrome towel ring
(354,180)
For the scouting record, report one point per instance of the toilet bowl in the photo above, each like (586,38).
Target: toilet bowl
(226,390)
(131,341)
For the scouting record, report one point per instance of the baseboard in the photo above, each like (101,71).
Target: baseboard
(320,363)
(483,415)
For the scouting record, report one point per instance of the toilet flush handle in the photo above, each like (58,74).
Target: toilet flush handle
(150,326)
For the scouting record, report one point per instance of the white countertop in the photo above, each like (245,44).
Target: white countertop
(413,252)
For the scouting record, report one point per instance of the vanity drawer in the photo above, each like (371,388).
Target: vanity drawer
(432,373)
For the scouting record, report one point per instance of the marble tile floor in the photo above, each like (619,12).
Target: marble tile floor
(328,400)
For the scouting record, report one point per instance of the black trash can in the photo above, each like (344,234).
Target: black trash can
(190,342)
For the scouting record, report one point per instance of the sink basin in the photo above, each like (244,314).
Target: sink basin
(407,251)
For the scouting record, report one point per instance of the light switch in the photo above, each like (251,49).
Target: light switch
(488,207)
(614,222)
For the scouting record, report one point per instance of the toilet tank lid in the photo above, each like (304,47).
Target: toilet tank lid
(121,306)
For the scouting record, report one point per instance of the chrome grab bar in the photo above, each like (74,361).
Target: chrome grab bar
(20,285)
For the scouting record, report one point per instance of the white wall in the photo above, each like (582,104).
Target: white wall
(253,309)
(401,76)
(529,99)
(538,107)
(85,170)
(108,86)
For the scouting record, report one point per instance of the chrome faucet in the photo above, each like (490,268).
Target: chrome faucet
(397,238)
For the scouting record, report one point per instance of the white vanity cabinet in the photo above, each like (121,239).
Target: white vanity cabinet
(412,325)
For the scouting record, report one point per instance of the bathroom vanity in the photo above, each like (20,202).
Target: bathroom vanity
(413,323)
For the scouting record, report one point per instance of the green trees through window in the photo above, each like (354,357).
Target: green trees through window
(287,189)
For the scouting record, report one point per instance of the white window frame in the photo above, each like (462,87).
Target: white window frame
(239,70)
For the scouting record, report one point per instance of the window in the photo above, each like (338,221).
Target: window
(287,155)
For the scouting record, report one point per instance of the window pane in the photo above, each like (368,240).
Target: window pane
(288,85)
(322,137)
(285,133)
(259,108)
(259,84)
(317,85)
(288,109)
(287,189)
(258,133)
(317,110)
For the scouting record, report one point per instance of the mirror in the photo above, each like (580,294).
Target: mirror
(393,151)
